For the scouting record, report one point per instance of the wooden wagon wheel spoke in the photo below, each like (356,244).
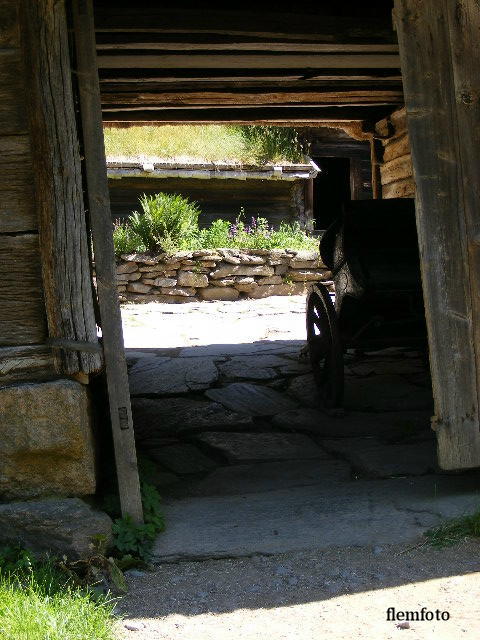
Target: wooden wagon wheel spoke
(325,349)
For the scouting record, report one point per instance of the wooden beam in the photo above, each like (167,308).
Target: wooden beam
(57,181)
(245,61)
(260,115)
(101,227)
(440,49)
(268,98)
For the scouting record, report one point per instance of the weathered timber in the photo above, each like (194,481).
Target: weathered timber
(320,24)
(401,189)
(245,61)
(210,42)
(9,32)
(100,220)
(58,183)
(22,311)
(288,116)
(13,118)
(396,147)
(396,169)
(213,98)
(439,48)
(26,362)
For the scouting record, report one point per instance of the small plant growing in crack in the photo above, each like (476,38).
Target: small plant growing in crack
(454,530)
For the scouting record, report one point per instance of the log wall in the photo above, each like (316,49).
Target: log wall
(23,327)
(396,168)
(276,200)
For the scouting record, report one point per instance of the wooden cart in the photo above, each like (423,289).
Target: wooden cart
(372,251)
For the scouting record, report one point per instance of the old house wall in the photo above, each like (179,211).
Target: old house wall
(396,167)
(47,446)
(276,200)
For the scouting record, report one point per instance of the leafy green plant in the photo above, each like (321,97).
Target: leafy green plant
(454,530)
(125,240)
(166,219)
(137,539)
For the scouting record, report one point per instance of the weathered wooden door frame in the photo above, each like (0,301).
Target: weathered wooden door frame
(440,53)
(98,202)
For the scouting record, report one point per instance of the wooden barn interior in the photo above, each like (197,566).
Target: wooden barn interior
(357,76)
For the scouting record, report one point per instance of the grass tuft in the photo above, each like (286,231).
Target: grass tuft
(40,602)
(452,531)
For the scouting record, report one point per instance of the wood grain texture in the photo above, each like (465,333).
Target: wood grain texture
(22,310)
(9,28)
(26,362)
(245,61)
(17,206)
(396,169)
(101,225)
(439,48)
(58,182)
(13,118)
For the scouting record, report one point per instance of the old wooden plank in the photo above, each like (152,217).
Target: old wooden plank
(13,119)
(58,182)
(457,445)
(17,210)
(259,97)
(400,189)
(26,362)
(396,169)
(101,226)
(22,310)
(9,28)
(158,41)
(370,24)
(245,61)
(259,115)
(441,143)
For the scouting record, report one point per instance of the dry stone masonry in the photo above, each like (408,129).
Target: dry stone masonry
(218,274)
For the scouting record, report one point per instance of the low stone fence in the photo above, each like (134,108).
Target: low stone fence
(218,274)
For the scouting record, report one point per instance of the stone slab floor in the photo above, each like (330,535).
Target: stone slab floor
(230,430)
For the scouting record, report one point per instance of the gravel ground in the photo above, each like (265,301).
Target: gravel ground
(342,593)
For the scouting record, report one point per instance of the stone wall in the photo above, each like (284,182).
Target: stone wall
(218,274)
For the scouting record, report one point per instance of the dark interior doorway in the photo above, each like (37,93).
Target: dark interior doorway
(330,190)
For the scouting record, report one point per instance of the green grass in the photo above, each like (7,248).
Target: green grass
(208,143)
(203,143)
(40,602)
(452,531)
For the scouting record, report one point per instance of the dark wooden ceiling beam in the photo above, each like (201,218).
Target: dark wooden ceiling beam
(273,115)
(307,62)
(327,22)
(228,98)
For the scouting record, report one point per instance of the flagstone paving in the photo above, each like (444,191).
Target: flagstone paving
(248,461)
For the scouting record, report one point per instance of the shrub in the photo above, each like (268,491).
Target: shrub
(166,220)
(124,238)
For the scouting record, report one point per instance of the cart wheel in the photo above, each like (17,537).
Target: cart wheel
(325,346)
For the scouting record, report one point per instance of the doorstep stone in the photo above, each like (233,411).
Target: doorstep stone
(251,399)
(163,376)
(175,415)
(385,393)
(258,447)
(376,459)
(183,459)
(390,425)
(270,476)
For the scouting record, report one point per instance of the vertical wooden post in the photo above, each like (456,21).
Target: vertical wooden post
(309,212)
(101,226)
(58,187)
(439,50)
(376,177)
